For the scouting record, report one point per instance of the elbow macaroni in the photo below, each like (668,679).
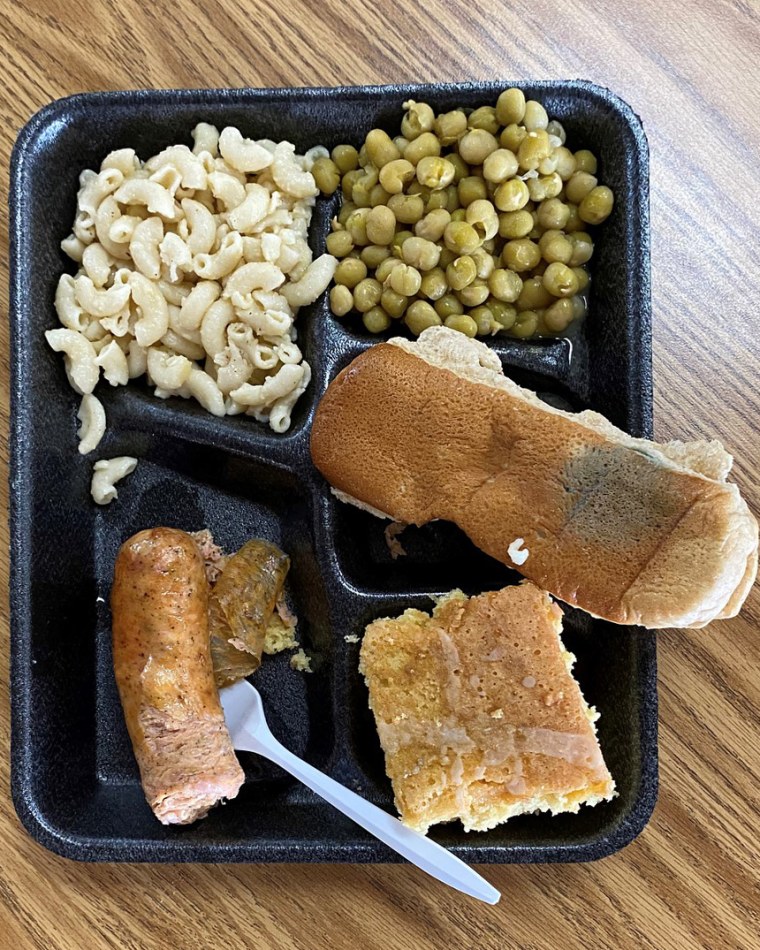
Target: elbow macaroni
(191,269)
(106,473)
(92,415)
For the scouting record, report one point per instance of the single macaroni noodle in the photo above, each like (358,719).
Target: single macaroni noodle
(92,416)
(106,473)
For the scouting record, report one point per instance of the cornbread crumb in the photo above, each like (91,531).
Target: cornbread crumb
(281,630)
(351,638)
(464,734)
(299,661)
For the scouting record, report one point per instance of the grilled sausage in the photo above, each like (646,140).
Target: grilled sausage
(162,662)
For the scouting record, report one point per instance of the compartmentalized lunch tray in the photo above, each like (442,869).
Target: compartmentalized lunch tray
(74,779)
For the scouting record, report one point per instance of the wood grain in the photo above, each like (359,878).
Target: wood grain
(691,879)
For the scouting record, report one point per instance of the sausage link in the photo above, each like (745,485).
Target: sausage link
(162,663)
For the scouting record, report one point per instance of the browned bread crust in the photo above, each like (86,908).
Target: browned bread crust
(628,530)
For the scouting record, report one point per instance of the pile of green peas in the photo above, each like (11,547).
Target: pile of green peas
(476,220)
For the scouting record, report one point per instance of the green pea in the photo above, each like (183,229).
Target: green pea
(555,246)
(394,175)
(394,304)
(559,315)
(407,208)
(418,120)
(326,175)
(534,296)
(374,254)
(585,161)
(500,165)
(582,248)
(461,272)
(533,149)
(380,148)
(484,320)
(446,258)
(432,226)
(363,186)
(348,208)
(484,262)
(545,186)
(461,238)
(470,189)
(376,320)
(434,284)
(474,294)
(448,305)
(484,117)
(535,117)
(560,281)
(384,269)
(510,106)
(515,224)
(423,146)
(525,324)
(452,203)
(341,300)
(579,186)
(356,225)
(420,253)
(381,225)
(596,206)
(419,316)
(405,280)
(556,129)
(505,285)
(378,196)
(583,279)
(503,313)
(511,195)
(512,136)
(566,163)
(350,271)
(463,323)
(521,255)
(367,294)
(449,126)
(437,200)
(476,145)
(553,214)
(399,237)
(345,157)
(339,243)
(435,172)
(574,222)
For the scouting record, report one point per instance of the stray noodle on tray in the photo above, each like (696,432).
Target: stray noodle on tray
(193,266)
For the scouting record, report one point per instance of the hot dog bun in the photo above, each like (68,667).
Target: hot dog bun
(628,530)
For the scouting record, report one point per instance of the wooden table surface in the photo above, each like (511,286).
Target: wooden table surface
(690,880)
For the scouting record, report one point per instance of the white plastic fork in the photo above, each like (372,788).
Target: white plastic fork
(247,723)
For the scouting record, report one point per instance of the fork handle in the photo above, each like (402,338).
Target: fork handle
(415,847)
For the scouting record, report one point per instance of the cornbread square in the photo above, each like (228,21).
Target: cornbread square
(477,711)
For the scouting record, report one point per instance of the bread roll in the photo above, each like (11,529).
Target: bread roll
(626,529)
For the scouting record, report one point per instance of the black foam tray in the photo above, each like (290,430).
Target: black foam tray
(74,779)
